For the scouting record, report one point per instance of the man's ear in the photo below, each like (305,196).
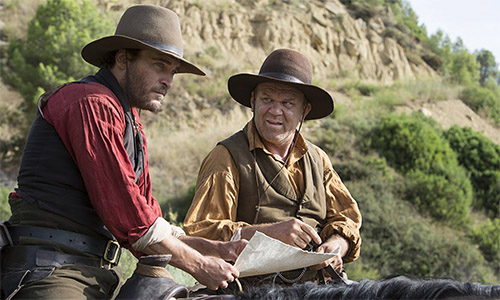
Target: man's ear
(307,109)
(121,59)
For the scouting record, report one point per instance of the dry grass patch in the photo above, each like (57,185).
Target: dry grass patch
(175,154)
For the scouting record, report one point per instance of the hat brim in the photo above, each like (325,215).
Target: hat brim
(94,51)
(241,86)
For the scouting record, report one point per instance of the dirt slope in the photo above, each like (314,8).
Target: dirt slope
(455,112)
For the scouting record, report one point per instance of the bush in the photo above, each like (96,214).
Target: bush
(50,55)
(434,61)
(438,185)
(483,100)
(411,142)
(487,236)
(396,239)
(481,158)
(442,196)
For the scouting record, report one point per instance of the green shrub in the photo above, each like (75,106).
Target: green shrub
(483,100)
(343,135)
(481,158)
(487,236)
(396,239)
(437,184)
(411,142)
(50,55)
(442,196)
(368,89)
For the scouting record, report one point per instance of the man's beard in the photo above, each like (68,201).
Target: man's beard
(136,93)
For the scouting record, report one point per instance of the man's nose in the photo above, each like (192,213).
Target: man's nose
(276,108)
(167,80)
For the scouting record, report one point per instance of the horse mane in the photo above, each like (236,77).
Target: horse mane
(398,287)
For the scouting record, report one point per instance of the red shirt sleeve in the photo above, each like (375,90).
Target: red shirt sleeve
(90,121)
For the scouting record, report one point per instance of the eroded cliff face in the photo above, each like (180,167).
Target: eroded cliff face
(246,31)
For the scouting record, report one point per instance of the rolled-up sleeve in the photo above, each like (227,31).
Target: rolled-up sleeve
(342,216)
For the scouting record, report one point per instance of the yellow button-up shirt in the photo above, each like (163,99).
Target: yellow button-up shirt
(213,211)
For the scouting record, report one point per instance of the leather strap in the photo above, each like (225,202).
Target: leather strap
(109,250)
(25,257)
(336,277)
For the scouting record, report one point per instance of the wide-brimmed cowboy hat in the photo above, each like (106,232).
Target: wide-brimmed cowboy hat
(143,27)
(289,67)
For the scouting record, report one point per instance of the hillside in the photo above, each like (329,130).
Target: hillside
(231,36)
(368,61)
(235,36)
(244,32)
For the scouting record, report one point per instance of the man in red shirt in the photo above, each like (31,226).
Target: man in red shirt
(84,189)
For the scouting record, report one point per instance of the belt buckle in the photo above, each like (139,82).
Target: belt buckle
(112,252)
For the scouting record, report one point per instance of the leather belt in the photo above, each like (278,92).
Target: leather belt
(25,257)
(108,250)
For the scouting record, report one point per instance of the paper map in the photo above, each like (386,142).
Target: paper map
(263,255)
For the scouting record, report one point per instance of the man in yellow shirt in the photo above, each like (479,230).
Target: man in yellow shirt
(268,178)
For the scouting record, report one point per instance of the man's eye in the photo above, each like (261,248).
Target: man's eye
(288,104)
(266,100)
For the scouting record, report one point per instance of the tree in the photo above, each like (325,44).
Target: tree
(461,66)
(50,55)
(487,66)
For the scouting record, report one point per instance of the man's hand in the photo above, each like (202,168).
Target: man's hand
(334,242)
(214,272)
(292,232)
(230,251)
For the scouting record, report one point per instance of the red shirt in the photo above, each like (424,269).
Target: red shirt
(90,121)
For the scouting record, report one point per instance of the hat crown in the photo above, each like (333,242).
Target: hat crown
(153,25)
(288,65)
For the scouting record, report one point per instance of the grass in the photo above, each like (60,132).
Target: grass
(176,153)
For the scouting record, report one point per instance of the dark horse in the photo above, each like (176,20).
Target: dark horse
(398,287)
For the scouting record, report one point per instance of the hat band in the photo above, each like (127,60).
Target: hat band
(165,47)
(282,76)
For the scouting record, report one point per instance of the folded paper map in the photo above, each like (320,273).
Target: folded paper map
(264,255)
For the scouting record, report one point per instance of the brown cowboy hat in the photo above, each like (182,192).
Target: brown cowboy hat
(143,27)
(284,66)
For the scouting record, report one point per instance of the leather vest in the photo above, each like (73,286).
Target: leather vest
(279,201)
(49,177)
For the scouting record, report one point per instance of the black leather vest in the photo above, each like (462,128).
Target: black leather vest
(48,175)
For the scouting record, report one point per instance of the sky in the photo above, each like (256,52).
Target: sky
(477,22)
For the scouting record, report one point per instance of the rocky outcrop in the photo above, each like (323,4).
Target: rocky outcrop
(337,44)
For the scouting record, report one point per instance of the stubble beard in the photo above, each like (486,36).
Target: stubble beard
(136,93)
